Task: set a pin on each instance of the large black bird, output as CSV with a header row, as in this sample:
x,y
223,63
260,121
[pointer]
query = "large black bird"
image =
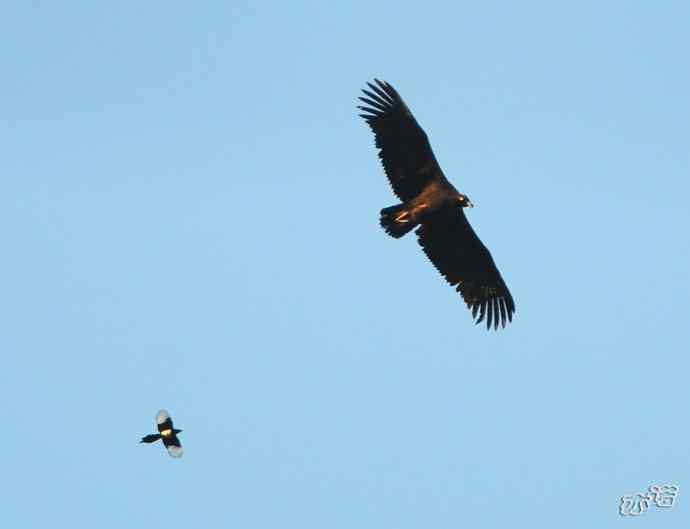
x,y
431,202
167,433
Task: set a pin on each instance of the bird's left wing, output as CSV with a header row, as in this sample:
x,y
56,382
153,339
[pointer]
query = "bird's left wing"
x,y
403,145
163,421
455,250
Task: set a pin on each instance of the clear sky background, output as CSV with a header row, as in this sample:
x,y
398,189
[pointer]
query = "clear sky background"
x,y
189,218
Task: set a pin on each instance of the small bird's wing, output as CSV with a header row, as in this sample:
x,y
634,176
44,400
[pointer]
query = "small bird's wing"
x,y
163,421
173,445
455,250
403,145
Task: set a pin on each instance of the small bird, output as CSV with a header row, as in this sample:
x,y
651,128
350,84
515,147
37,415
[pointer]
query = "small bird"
x,y
431,204
167,433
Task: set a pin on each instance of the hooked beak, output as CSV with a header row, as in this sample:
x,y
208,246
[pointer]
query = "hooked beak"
x,y
469,204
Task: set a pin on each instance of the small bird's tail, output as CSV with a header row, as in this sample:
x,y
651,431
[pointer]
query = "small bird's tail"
x,y
397,220
150,438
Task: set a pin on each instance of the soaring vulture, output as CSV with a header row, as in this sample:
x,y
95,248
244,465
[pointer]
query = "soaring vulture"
x,y
167,433
431,202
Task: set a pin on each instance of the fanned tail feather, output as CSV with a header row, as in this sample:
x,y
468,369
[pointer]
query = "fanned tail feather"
x,y
397,221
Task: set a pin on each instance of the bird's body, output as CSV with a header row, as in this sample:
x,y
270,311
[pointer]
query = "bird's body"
x,y
434,206
166,433
398,220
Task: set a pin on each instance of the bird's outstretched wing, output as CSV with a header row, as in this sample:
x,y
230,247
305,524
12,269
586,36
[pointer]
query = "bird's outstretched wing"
x,y
173,445
163,421
403,145
455,250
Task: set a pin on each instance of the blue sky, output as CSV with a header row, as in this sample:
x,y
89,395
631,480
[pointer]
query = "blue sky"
x,y
189,212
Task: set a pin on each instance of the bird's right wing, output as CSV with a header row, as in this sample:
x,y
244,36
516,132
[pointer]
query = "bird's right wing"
x,y
403,145
173,445
455,250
